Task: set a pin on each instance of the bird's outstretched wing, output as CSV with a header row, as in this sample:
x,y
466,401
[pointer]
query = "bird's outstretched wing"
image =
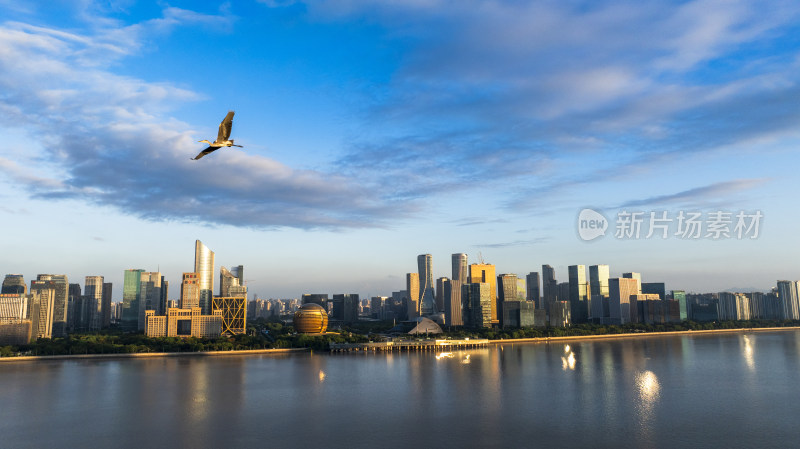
x,y
204,152
225,127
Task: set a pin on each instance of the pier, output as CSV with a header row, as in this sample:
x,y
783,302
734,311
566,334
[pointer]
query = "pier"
x,y
410,345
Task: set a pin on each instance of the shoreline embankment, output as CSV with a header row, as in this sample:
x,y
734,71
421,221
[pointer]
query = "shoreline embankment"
x,y
287,351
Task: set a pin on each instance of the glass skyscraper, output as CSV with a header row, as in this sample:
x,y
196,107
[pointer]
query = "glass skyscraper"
x,y
204,267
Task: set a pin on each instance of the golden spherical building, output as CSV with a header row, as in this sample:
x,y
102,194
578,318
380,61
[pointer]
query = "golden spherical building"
x,y
311,319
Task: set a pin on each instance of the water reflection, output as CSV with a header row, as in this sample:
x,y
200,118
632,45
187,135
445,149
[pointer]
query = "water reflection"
x,y
747,351
568,359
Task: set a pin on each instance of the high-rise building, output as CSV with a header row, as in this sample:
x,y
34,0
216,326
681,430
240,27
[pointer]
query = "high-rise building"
x,y
412,289
14,284
76,308
93,295
578,293
440,293
452,303
190,291
43,296
619,299
733,306
204,267
549,286
507,287
131,297
106,307
476,300
234,314
60,304
598,292
656,288
680,297
426,294
560,314
316,298
484,273
790,299
376,305
638,277
150,293
533,293
345,307
460,268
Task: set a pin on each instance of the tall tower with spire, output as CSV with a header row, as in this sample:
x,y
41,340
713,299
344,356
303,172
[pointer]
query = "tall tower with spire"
x,y
427,300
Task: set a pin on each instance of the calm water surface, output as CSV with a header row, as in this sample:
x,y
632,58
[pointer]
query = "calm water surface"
x,y
677,391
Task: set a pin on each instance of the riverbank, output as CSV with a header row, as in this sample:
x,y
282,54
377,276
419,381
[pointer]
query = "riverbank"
x,y
285,351
641,334
144,355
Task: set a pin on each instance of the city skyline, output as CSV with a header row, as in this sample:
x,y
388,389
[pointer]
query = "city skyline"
x,y
374,132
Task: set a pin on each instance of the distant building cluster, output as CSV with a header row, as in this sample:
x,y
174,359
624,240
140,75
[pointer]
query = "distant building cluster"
x,y
52,307
476,296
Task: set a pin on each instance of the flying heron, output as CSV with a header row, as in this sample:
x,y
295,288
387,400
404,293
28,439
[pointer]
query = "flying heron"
x,y
222,137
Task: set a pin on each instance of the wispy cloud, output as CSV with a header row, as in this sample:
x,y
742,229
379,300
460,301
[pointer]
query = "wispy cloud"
x,y
699,196
514,243
496,94
107,140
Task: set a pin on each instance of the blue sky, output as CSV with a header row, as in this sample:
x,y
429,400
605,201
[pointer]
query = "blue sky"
x,y
375,131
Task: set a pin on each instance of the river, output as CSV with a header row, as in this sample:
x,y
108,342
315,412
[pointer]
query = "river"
x,y
732,390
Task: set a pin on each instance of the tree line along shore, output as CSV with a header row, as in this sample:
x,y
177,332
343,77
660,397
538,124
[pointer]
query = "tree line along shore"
x,y
274,334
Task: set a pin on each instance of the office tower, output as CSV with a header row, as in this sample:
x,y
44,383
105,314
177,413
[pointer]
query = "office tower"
x,y
476,300
105,308
619,297
204,267
485,273
506,292
733,306
190,291
598,292
131,297
452,303
427,302
638,277
788,295
460,268
76,308
507,287
234,314
93,295
376,306
14,284
549,286
533,293
61,304
150,294
43,297
578,293
440,293
656,288
316,298
345,307
560,314
412,289
680,297
231,284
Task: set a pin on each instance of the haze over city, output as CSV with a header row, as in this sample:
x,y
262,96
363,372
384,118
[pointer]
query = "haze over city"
x,y
377,131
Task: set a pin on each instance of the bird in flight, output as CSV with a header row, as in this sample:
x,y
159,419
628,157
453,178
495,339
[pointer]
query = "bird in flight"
x,y
222,137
